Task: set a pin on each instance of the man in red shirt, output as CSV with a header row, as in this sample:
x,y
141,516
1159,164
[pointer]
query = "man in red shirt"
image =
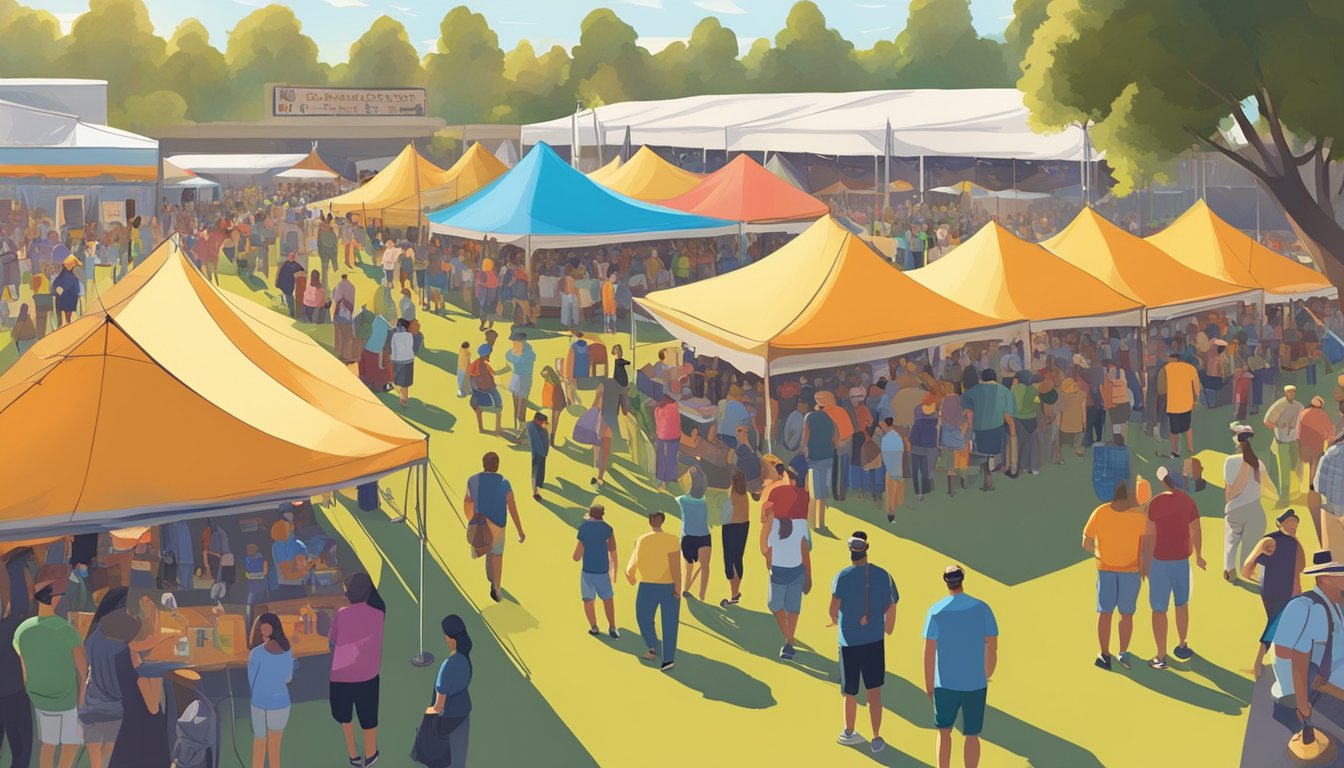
x,y
1173,535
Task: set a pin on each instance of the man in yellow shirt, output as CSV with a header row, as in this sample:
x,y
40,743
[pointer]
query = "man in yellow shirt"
x,y
1114,535
653,565
1182,388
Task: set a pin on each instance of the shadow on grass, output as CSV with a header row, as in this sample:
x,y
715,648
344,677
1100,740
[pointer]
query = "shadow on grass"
x,y
714,680
1229,682
1178,686
758,633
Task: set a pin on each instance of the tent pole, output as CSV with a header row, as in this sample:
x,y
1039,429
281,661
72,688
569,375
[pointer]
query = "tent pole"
x,y
921,179
741,242
527,262
877,200
424,658
769,422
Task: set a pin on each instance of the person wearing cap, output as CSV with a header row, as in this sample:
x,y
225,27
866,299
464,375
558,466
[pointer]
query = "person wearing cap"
x,y
1114,536
1244,514
1284,417
653,566
1179,381
1308,625
55,668
539,447
522,358
961,650
484,391
65,291
863,605
286,279
1281,560
1173,534
991,410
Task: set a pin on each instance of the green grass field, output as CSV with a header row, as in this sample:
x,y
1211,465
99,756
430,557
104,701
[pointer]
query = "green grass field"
x,y
547,694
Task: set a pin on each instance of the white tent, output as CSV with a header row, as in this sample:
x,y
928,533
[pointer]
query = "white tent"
x,y
982,122
40,143
507,153
235,165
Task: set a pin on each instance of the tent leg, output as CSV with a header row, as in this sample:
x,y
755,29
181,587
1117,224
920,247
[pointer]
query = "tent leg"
x,y
424,658
769,422
634,336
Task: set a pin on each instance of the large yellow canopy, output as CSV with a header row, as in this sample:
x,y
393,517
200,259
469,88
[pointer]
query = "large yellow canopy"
x,y
1204,242
601,175
397,194
647,177
1001,275
824,299
1140,270
475,170
170,399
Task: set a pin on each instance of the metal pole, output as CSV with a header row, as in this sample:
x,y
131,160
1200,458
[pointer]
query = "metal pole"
x,y
574,135
598,138
634,335
877,199
769,422
424,658
921,179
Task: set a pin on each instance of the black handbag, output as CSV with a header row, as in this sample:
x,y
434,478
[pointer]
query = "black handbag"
x,y
432,747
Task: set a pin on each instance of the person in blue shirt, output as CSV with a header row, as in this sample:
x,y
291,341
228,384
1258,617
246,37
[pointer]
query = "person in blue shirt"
x,y
863,605
961,649
452,700
270,668
596,549
523,359
696,544
489,494
539,445
820,441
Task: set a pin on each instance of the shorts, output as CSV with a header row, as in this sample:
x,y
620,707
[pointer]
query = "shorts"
x,y
1117,590
989,442
867,662
786,589
820,472
691,545
538,470
1178,423
348,699
101,733
483,399
971,704
956,459
55,728
266,721
595,585
520,386
1167,580
403,374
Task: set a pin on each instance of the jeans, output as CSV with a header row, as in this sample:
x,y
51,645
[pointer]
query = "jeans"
x,y
840,473
16,722
1028,445
1096,424
648,600
289,303
569,310
921,469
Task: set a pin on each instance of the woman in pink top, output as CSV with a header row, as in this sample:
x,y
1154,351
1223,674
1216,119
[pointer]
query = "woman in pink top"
x,y
667,438
356,656
314,298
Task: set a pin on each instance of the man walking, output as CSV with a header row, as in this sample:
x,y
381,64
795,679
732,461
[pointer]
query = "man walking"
x,y
328,243
284,279
1173,533
489,494
990,409
1180,381
863,604
54,672
961,650
1283,417
597,551
821,443
1281,560
522,359
1114,535
653,566
539,445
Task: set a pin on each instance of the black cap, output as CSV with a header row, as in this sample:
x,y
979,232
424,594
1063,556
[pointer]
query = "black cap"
x,y
953,575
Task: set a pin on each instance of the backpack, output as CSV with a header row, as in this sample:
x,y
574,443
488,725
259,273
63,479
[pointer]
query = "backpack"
x,y
197,737
480,535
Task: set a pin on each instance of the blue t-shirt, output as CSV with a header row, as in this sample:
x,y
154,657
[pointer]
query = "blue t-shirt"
x,y
490,491
820,436
453,680
594,534
990,401
734,414
850,585
268,675
960,623
694,516
522,362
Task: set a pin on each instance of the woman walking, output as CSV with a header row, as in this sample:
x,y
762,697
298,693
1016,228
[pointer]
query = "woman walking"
x,y
356,639
314,298
452,701
1244,514
270,669
924,446
553,396
402,346
787,553
735,531
696,545
24,332
667,440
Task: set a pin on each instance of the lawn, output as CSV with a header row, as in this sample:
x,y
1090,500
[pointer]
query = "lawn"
x,y
546,693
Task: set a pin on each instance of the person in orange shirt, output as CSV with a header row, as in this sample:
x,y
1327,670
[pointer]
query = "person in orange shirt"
x,y
609,302
1114,535
1182,390
844,428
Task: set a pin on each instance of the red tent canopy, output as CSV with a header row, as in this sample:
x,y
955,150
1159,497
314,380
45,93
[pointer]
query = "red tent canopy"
x,y
745,191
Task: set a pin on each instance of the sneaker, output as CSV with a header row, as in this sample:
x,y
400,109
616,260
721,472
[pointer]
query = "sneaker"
x,y
595,632
1124,660
1183,652
786,652
1156,663
849,738
667,665
1103,661
650,655
614,633
878,744
371,759
494,594
891,518
536,497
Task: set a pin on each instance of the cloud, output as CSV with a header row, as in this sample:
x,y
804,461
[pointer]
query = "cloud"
x,y
873,31
656,4
251,3
517,23
347,3
861,5
719,6
404,11
656,44
67,20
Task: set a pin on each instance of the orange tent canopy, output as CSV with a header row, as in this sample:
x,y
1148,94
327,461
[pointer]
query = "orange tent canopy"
x,y
311,167
1206,243
744,191
395,194
170,399
1001,275
646,176
476,169
1140,270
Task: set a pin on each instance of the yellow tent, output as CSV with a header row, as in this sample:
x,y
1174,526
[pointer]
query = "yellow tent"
x,y
824,299
1140,270
1001,275
475,170
170,399
396,195
647,177
1204,242
601,175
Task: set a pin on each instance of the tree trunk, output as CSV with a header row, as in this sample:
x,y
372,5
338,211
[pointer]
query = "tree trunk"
x,y
1322,236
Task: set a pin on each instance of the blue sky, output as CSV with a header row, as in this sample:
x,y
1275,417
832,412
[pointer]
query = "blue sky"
x,y
334,24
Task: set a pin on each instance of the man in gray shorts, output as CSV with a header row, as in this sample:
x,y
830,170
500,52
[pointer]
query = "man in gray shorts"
x,y
596,549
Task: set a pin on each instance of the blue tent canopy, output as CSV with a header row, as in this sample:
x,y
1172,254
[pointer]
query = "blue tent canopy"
x,y
545,203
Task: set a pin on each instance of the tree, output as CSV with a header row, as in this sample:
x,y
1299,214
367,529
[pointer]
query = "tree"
x,y
939,48
809,56
142,112
384,57
115,41
268,47
536,84
466,74
609,65
197,72
1188,64
707,63
30,40
881,64
1028,16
